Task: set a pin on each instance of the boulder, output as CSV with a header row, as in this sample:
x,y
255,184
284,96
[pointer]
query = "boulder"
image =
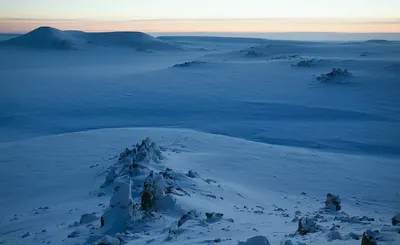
x,y
307,225
368,238
87,218
154,189
256,240
189,216
332,202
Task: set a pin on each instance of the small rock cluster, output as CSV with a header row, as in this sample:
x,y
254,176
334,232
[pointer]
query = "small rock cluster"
x,y
335,73
189,63
305,63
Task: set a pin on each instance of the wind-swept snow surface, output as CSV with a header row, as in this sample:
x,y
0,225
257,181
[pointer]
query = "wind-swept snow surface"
x,y
242,190
297,142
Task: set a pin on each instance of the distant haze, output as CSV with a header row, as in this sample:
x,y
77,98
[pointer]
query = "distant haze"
x,y
359,16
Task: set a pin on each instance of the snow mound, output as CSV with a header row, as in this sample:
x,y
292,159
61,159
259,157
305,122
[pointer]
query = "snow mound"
x,y
257,240
52,38
137,40
44,38
378,41
121,210
334,75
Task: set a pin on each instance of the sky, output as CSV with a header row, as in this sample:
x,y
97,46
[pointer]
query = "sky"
x,y
202,15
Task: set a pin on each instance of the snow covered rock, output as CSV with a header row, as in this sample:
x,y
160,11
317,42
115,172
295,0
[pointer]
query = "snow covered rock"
x,y
153,190
335,73
121,209
305,63
369,238
307,225
189,64
334,235
214,217
253,53
257,240
87,218
286,242
192,174
189,216
133,162
74,234
26,235
148,151
332,202
396,219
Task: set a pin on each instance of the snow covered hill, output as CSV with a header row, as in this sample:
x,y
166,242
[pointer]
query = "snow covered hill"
x,y
52,38
205,188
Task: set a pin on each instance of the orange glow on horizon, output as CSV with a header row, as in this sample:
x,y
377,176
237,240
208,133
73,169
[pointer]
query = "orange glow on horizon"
x,y
250,26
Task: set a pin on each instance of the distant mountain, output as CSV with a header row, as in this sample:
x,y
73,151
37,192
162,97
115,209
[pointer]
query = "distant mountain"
x,y
52,38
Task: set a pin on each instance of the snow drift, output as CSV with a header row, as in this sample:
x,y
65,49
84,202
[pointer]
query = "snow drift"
x,y
52,38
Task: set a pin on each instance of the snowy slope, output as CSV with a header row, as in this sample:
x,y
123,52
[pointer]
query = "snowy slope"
x,y
303,119
52,38
257,187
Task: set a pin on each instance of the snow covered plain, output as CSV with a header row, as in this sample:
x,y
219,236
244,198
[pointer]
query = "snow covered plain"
x,y
277,127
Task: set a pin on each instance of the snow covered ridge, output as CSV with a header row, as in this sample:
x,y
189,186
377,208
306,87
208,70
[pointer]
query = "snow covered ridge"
x,y
52,38
154,204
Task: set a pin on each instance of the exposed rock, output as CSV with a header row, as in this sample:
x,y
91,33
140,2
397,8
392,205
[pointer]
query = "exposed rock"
x,y
74,234
192,174
335,73
257,240
214,217
217,240
369,238
396,219
26,235
189,216
332,202
306,63
153,190
189,63
87,218
306,225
